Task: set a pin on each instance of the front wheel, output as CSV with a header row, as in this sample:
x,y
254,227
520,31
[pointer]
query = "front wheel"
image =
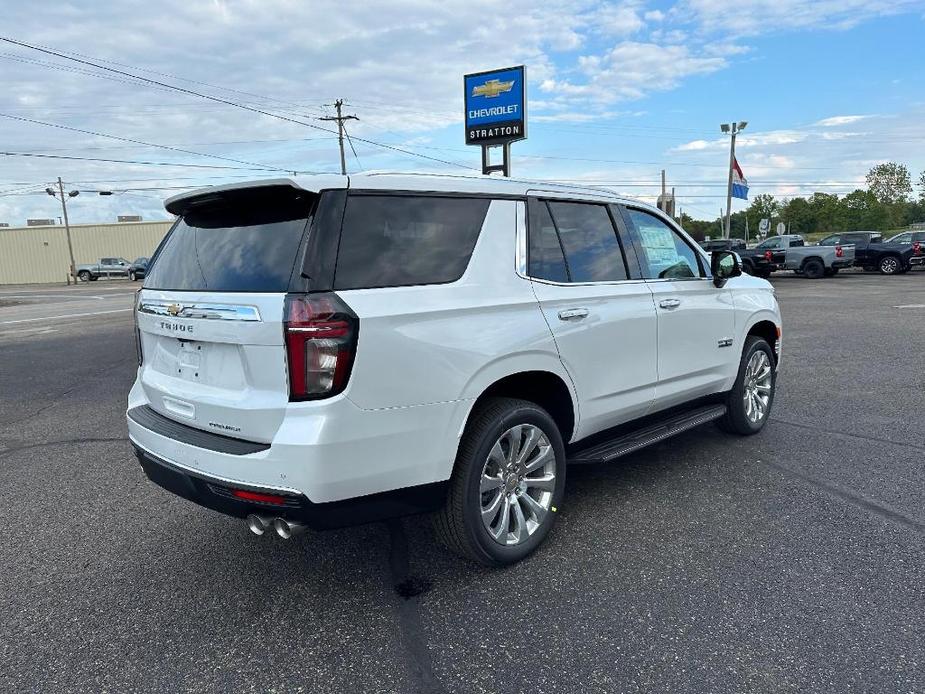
x,y
749,402
507,483
83,276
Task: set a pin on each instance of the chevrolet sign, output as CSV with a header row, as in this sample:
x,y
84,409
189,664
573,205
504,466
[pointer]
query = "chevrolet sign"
x,y
495,106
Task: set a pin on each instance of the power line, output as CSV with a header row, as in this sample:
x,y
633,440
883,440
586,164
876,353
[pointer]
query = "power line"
x,y
217,99
126,161
139,142
353,149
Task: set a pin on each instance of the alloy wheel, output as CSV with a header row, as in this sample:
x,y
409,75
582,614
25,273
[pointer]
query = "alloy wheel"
x,y
757,395
517,484
889,265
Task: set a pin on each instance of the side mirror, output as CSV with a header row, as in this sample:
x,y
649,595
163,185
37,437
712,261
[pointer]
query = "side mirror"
x,y
724,265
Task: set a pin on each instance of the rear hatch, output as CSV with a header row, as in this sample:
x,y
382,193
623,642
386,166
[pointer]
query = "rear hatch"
x,y
210,314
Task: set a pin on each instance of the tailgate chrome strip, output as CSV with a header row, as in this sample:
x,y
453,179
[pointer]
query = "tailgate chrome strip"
x,y
204,311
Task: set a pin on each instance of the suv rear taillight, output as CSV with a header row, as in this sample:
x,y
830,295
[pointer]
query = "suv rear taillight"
x,y
768,256
917,248
839,253
321,338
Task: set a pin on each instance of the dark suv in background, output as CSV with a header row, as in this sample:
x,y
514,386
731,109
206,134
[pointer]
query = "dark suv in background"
x,y
872,253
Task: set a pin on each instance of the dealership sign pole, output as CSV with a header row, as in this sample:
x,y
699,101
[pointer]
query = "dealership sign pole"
x,y
496,113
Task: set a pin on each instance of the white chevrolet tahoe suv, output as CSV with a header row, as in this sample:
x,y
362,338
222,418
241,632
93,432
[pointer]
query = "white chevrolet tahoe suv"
x,y
325,351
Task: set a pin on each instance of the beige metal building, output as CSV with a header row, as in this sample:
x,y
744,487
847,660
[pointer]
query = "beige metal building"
x,y
29,255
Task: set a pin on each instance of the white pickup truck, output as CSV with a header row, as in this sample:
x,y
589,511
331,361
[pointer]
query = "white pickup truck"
x,y
790,252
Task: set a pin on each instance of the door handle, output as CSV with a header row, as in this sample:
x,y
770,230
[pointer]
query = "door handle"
x,y
669,303
573,314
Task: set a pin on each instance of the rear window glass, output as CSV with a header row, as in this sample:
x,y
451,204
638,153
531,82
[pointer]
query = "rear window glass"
x,y
247,243
401,240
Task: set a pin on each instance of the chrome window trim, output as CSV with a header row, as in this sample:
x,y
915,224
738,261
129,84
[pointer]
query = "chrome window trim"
x,y
205,311
520,262
589,284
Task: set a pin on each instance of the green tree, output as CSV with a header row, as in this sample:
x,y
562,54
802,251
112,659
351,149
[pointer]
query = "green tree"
x,y
922,188
862,211
764,206
890,182
799,214
827,212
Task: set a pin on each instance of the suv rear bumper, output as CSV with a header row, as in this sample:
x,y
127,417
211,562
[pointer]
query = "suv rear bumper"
x,y
917,260
216,493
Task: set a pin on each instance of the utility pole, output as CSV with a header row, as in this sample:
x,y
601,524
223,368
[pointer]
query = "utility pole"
x,y
340,132
733,129
67,226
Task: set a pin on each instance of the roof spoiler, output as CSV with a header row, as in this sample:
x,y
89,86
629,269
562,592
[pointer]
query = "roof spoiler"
x,y
179,204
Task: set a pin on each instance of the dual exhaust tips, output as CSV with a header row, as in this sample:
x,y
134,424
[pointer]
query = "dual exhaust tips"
x,y
284,528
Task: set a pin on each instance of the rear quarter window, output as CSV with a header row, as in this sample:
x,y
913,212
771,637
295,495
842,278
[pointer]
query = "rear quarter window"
x,y
403,240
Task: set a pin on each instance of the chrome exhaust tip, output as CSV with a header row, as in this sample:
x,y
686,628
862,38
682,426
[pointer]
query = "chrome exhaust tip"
x,y
258,524
286,529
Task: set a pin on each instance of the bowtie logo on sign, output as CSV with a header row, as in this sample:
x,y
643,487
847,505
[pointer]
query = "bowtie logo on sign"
x,y
496,115
492,88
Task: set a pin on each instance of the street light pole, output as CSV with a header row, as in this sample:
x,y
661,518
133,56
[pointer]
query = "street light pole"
x,y
733,129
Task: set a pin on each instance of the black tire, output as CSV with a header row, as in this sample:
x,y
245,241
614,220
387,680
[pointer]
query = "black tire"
x,y
84,276
889,265
813,269
763,274
736,420
748,268
131,276
459,524
94,278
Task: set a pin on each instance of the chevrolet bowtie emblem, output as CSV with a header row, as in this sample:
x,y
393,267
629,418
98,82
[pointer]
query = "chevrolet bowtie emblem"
x,y
492,88
174,309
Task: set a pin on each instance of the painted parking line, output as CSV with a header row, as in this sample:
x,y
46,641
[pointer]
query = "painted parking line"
x,y
54,296
72,315
910,306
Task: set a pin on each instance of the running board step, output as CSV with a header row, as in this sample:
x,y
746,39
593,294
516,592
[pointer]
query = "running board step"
x,y
635,440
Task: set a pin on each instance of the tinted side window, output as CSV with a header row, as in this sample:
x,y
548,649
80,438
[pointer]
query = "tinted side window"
x,y
589,240
401,240
770,243
546,259
664,254
830,241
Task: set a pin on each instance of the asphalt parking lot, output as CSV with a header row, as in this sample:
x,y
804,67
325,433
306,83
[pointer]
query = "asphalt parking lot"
x,y
792,561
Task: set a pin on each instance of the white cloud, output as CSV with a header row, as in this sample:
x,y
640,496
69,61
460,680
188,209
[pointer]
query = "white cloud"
x,y
835,121
753,17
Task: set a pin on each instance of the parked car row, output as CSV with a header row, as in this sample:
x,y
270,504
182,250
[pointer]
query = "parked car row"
x,y
113,267
864,249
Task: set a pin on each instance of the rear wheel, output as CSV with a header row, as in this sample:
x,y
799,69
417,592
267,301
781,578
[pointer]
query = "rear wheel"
x,y
749,402
83,276
889,265
813,269
508,480
131,275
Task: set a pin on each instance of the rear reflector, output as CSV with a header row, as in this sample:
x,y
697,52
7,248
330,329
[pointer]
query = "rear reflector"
x,y
258,497
321,338
839,252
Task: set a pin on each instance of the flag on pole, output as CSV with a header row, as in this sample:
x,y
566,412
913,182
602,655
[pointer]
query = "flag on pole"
x,y
739,182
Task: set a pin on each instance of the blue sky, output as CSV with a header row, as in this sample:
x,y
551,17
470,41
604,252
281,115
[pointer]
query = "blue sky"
x,y
617,91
